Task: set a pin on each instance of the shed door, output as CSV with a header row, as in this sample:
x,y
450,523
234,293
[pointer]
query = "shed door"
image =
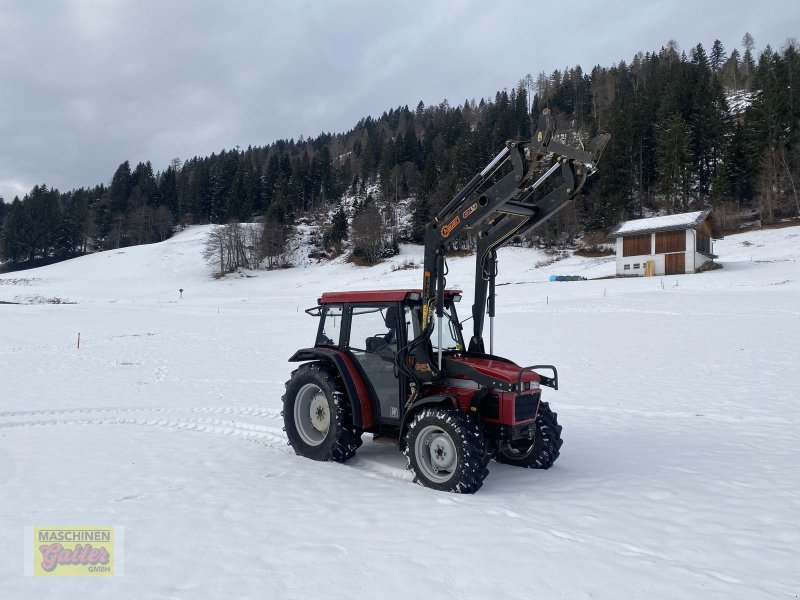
x,y
675,264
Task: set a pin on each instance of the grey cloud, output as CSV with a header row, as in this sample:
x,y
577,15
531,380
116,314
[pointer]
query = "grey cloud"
x,y
87,84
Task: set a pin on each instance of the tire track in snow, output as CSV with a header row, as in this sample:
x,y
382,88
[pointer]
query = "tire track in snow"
x,y
266,428
249,411
383,467
272,437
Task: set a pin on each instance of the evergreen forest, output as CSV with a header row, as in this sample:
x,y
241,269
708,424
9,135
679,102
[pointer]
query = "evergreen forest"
x,y
693,129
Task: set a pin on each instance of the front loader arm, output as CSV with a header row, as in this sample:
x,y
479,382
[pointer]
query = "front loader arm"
x,y
498,213
502,230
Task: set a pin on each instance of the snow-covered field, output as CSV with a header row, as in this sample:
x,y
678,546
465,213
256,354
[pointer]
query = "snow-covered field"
x,y
680,402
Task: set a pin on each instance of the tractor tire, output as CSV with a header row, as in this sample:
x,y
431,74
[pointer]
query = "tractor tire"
x,y
317,416
542,451
445,450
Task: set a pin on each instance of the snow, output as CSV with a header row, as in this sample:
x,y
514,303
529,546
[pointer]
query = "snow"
x,y
739,101
682,220
677,479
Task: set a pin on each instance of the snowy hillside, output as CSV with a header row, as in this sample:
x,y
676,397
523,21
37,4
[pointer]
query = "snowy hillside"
x,y
679,402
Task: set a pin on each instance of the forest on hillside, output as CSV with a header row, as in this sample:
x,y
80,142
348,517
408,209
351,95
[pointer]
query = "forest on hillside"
x,y
690,130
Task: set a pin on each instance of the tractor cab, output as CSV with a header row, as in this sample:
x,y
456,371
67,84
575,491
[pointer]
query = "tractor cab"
x,y
377,328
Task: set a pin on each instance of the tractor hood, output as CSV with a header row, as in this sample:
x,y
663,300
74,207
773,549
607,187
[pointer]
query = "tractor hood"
x,y
487,371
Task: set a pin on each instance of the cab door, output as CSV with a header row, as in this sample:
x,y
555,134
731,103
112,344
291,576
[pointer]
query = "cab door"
x,y
373,337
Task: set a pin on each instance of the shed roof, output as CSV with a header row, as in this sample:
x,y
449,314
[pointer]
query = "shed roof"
x,y
691,220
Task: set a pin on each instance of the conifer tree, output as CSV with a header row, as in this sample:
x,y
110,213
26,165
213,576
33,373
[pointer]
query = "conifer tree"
x,y
673,159
4,208
72,234
168,190
718,56
337,232
14,222
748,66
120,189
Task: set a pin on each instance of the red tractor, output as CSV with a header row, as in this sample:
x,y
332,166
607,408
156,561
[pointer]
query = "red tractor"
x,y
394,363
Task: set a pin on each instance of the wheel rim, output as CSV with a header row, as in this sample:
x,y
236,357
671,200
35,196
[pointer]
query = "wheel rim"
x,y
436,454
312,415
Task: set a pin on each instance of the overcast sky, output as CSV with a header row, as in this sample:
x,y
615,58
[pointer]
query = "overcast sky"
x,y
88,84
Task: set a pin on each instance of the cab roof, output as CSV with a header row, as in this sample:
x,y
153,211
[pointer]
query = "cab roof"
x,y
375,296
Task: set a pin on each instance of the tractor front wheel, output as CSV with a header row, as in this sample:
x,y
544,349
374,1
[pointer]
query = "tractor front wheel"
x,y
446,451
317,416
539,453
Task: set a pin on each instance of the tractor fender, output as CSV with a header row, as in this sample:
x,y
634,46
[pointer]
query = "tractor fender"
x,y
434,400
357,391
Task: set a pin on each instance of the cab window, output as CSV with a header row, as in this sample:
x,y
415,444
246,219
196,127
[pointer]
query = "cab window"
x,y
373,329
452,339
330,325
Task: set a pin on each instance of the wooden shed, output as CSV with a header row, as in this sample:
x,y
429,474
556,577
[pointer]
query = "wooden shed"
x,y
668,245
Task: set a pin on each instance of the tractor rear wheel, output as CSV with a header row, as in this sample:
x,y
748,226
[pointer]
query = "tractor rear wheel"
x,y
446,451
317,416
539,453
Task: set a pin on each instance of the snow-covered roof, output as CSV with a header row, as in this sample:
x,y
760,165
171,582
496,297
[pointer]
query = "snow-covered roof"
x,y
691,220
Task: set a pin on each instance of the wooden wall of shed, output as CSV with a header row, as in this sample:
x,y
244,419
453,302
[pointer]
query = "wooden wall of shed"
x,y
636,245
670,241
705,228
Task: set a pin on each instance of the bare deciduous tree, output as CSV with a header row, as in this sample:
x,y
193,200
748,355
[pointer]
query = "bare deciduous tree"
x,y
225,248
214,250
253,244
162,222
273,243
777,195
368,234
237,246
